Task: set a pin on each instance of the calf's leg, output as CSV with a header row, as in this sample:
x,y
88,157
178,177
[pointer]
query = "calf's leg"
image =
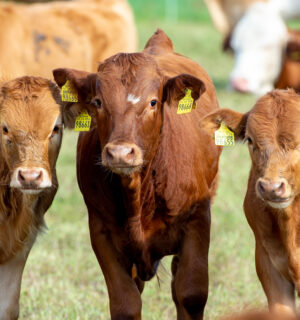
x,y
10,285
124,295
190,271
278,289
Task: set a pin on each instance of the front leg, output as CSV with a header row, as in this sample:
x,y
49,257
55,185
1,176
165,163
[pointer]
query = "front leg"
x,y
278,289
124,295
10,285
190,271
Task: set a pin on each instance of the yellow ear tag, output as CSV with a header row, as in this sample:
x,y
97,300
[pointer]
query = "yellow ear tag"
x,y
186,104
83,122
68,93
224,136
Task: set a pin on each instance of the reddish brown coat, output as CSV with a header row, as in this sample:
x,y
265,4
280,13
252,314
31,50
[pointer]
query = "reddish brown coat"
x,y
157,201
272,202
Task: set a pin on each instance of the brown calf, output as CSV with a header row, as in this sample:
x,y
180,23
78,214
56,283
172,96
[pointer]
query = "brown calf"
x,y
36,38
290,72
147,174
30,138
272,202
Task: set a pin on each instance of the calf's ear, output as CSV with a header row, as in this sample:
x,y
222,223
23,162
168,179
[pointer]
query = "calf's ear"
x,y
234,120
174,88
83,85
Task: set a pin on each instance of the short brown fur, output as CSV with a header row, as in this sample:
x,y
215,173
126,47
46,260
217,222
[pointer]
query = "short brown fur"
x,y
30,139
272,207
147,174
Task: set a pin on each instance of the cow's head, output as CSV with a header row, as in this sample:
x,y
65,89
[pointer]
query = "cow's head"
x,y
126,98
272,131
31,132
258,41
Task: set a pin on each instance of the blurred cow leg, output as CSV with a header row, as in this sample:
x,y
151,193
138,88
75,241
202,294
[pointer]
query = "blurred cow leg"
x,y
278,289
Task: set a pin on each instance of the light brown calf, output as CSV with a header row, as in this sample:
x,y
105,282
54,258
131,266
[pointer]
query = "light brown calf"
x,y
30,138
272,203
35,38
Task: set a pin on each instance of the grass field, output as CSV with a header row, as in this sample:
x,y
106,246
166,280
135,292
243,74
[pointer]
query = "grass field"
x,y
62,279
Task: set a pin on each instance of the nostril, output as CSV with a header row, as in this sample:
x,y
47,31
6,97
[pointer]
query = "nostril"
x,y
280,190
131,152
40,176
20,176
261,188
109,153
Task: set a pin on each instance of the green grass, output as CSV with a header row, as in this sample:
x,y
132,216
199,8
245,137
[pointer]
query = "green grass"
x,y
62,279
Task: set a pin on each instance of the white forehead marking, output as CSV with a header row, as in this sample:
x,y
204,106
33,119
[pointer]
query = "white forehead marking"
x,y
133,99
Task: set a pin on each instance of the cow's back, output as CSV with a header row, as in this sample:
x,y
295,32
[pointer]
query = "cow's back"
x,y
76,34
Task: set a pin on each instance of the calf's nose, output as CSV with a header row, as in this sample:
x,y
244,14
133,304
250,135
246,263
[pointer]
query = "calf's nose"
x,y
270,189
121,154
27,176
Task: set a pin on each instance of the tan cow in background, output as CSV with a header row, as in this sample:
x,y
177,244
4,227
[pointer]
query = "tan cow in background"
x,y
226,13
36,38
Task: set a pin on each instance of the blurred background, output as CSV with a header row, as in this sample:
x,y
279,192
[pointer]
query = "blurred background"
x,y
62,279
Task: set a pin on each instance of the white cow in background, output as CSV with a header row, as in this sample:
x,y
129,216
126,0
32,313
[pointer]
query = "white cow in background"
x,y
259,40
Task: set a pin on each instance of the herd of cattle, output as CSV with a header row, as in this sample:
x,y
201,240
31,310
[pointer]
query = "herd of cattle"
x,y
147,175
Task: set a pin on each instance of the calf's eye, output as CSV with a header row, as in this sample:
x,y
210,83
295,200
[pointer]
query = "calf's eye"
x,y
97,103
249,140
5,130
153,103
55,131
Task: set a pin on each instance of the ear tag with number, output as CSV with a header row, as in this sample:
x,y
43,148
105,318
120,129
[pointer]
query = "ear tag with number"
x,y
68,93
224,136
186,104
83,122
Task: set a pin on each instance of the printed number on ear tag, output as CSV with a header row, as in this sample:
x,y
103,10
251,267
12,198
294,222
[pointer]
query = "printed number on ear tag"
x,y
186,104
83,122
224,136
68,93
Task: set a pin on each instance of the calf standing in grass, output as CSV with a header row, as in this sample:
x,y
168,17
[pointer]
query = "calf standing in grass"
x,y
147,174
272,203
30,138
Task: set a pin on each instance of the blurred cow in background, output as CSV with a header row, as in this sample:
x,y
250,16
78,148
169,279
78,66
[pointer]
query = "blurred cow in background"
x,y
261,43
290,72
258,41
36,38
226,13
